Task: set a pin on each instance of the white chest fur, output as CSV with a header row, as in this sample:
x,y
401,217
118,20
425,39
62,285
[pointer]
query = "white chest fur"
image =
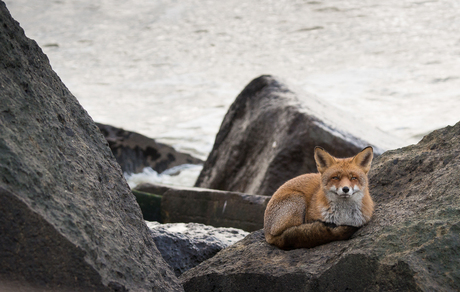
x,y
344,212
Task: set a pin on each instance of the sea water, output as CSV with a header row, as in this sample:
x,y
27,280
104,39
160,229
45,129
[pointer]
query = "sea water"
x,y
171,69
181,175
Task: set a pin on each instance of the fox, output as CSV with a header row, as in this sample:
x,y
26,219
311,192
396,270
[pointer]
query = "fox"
x,y
317,208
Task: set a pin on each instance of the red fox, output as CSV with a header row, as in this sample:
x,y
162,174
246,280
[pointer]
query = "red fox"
x,y
317,208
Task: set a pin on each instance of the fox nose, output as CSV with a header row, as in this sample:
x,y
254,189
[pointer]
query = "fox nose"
x,y
345,189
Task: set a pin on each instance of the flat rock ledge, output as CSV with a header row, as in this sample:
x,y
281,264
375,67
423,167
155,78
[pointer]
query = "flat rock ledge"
x,y
411,244
197,205
213,207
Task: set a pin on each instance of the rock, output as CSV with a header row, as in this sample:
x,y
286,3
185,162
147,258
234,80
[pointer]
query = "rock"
x,y
157,189
169,204
150,205
411,244
184,246
268,137
213,207
134,151
69,221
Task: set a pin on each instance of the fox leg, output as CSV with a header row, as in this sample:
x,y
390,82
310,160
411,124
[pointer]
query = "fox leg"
x,y
309,235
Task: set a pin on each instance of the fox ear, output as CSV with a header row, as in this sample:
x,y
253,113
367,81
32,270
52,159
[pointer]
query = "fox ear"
x,y
364,158
323,159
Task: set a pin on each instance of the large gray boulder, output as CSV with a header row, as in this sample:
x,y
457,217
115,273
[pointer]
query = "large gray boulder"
x,y
68,219
411,244
268,137
134,151
185,245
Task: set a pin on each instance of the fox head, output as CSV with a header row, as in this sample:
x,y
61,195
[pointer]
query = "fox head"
x,y
344,178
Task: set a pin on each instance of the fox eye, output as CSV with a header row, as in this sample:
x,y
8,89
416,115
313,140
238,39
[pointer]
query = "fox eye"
x,y
335,178
353,178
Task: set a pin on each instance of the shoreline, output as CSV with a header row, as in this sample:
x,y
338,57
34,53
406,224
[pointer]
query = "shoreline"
x,y
171,70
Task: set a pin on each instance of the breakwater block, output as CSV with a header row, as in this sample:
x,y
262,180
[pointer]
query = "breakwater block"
x,y
213,207
150,205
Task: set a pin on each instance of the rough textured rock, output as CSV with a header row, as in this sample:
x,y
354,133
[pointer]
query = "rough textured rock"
x,y
134,151
184,246
269,134
212,207
411,244
68,219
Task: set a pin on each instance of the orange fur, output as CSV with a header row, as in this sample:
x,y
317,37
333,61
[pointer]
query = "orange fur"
x,y
314,209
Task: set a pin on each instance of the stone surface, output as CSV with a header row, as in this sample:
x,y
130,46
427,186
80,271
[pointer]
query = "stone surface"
x,y
134,151
411,244
68,219
184,246
213,207
268,137
150,205
149,197
172,204
157,189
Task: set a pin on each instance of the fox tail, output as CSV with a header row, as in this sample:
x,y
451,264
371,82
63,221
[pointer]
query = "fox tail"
x,y
309,235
